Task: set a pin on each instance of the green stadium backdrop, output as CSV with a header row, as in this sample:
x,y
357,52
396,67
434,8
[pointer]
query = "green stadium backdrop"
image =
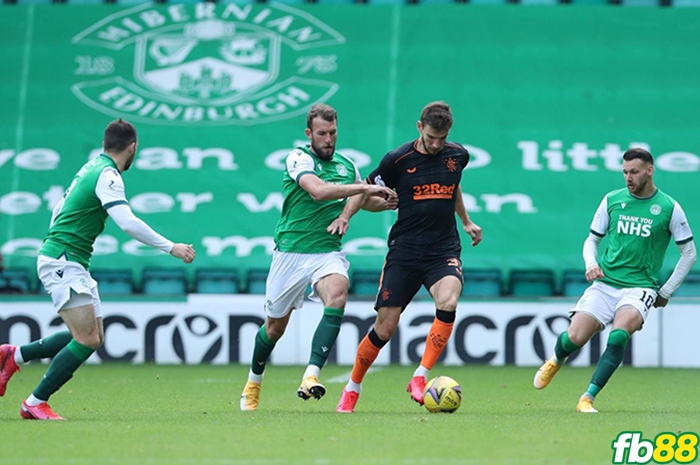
x,y
547,99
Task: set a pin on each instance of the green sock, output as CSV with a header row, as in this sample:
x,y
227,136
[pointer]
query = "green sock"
x,y
593,390
64,364
564,347
261,351
325,336
47,347
609,361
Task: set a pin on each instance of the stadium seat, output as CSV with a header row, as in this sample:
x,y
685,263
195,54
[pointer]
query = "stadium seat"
x,y
365,283
335,2
653,3
486,282
140,2
114,282
532,283
691,285
33,2
488,2
15,281
257,278
435,2
164,281
573,283
217,281
539,2
387,2
590,2
685,3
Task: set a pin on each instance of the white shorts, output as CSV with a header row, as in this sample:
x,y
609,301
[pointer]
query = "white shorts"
x,y
290,274
69,284
601,301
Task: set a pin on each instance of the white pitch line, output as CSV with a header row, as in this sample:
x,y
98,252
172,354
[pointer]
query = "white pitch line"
x,y
345,377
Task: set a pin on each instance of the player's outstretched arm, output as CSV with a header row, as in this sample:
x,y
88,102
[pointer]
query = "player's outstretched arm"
x,y
471,228
379,204
689,256
683,236
319,190
375,200
139,230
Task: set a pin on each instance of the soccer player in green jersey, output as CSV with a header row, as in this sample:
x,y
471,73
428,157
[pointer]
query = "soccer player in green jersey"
x,y
639,221
97,191
317,182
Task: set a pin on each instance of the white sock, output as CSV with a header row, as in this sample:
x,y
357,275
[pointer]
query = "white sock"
x,y
559,361
353,386
421,371
18,356
33,401
255,378
312,370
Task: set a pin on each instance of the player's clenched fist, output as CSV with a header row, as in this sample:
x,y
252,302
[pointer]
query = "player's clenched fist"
x,y
375,190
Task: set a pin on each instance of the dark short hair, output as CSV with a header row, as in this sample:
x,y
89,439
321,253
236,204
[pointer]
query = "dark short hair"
x,y
437,115
325,112
118,136
638,153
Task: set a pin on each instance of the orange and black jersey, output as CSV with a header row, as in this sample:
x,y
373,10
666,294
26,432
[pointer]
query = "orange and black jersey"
x,y
427,188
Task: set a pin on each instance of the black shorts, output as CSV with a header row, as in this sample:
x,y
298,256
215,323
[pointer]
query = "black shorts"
x,y
402,277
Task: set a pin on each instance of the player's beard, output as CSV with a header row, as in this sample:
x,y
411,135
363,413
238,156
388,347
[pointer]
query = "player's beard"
x,y
637,187
427,147
324,152
129,161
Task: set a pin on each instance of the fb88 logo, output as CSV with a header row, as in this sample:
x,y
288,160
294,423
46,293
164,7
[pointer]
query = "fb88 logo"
x,y
629,447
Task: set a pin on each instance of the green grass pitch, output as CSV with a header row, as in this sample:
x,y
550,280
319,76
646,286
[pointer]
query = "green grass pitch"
x,y
171,415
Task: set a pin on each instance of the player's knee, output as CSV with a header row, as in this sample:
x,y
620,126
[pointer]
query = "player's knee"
x,y
337,300
385,330
448,303
618,337
274,331
93,340
580,338
384,333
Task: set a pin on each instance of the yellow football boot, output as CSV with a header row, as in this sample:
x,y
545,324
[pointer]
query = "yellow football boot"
x,y
545,374
311,387
250,396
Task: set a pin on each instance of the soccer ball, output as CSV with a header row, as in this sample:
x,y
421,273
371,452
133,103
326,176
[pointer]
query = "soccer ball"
x,y
442,395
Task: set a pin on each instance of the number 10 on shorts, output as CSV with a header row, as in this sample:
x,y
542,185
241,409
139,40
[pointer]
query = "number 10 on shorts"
x,y
629,447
